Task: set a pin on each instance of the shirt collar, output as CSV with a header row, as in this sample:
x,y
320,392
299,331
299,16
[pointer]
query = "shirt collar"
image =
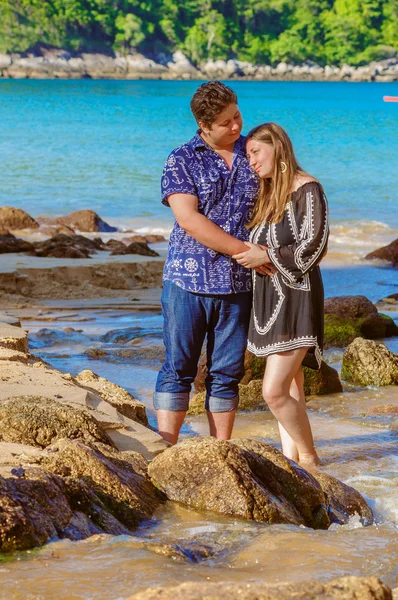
x,y
197,142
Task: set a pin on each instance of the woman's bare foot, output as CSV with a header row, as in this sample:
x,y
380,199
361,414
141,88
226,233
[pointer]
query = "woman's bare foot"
x,y
310,462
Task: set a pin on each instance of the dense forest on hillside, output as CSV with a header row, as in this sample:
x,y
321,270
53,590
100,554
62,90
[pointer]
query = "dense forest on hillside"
x,y
260,31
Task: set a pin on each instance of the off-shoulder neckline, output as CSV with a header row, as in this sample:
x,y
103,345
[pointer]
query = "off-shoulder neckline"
x,y
312,182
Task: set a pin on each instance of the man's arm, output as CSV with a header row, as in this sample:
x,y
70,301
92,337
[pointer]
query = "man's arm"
x,y
185,210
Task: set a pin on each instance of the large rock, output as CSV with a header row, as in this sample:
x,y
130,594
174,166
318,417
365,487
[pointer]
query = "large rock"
x,y
40,421
16,218
117,397
9,243
85,220
76,490
343,588
366,362
389,253
348,317
120,481
245,479
33,509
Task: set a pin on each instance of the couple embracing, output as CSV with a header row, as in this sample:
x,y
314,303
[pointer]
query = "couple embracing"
x,y
265,294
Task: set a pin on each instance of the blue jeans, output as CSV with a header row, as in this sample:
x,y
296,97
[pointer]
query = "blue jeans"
x,y
188,317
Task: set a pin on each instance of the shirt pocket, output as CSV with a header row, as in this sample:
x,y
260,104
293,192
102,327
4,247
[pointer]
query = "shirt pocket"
x,y
210,189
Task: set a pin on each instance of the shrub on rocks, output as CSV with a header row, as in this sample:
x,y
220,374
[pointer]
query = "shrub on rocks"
x,y
366,362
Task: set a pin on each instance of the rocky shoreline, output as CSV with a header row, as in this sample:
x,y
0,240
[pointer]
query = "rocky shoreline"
x,y
61,64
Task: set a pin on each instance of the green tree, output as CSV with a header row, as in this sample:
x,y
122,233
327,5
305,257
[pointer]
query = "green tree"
x,y
206,38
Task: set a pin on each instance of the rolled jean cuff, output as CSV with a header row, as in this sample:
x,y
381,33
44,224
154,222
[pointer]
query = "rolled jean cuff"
x,y
171,400
218,405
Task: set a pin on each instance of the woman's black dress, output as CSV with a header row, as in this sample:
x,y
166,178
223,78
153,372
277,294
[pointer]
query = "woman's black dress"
x,y
288,306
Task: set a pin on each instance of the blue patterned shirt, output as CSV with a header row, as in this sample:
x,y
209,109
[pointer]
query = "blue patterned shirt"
x,y
226,198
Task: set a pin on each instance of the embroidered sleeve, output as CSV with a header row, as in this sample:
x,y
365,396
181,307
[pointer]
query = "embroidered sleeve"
x,y
311,232
177,177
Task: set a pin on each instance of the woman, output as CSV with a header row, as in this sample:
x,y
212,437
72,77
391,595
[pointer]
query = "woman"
x,y
289,233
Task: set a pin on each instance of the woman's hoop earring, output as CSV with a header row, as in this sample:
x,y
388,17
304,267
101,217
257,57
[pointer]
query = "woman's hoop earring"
x,y
283,167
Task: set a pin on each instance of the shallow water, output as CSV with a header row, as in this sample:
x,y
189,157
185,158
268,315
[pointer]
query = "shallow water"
x,y
360,450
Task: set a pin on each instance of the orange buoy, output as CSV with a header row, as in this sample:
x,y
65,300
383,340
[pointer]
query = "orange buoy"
x,y
390,98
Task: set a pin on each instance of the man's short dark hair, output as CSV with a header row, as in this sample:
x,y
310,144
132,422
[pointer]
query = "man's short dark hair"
x,y
210,99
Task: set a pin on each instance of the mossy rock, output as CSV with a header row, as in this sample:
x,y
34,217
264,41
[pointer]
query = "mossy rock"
x,y
339,331
250,399
324,381
391,326
366,362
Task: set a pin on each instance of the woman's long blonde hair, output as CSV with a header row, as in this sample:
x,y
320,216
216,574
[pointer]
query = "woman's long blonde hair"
x,y
275,190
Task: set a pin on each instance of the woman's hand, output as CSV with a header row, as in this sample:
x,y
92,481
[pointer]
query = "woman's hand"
x,y
256,257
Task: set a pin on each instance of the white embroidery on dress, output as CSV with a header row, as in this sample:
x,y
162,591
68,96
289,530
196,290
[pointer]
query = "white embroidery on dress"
x,y
301,342
298,255
281,297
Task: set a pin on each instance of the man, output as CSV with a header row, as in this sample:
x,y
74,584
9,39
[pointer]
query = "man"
x,y
210,188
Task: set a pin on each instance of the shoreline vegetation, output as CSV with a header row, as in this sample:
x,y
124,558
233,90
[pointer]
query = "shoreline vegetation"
x,y
54,63
332,40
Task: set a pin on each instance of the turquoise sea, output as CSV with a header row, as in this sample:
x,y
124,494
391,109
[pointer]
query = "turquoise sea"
x,y
67,145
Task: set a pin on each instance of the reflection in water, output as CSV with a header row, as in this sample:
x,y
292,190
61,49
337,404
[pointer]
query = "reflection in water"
x,y
359,449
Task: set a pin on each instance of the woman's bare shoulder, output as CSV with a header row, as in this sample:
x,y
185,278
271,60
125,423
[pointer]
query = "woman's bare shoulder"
x,y
301,180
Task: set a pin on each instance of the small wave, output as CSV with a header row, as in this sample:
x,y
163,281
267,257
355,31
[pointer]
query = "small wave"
x,y
350,241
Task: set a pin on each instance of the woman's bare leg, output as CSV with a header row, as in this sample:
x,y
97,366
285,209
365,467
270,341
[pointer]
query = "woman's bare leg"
x,y
289,447
280,371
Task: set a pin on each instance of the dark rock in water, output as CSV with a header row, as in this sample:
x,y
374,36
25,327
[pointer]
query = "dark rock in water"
x,y
67,246
243,478
16,218
9,243
33,509
40,421
135,248
366,362
343,588
149,238
324,381
95,353
389,253
114,245
348,317
85,220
